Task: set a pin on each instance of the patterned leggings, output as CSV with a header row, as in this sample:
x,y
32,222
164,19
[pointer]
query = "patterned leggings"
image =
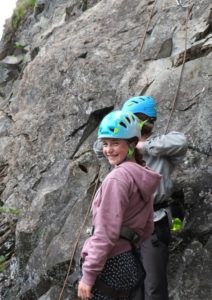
x,y
121,272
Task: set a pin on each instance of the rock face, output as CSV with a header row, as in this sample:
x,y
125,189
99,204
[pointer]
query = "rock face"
x,y
76,61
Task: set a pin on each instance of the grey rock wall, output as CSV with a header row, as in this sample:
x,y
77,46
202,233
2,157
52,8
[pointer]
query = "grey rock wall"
x,y
79,60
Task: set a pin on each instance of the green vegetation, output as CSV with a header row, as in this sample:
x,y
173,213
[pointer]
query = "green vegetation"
x,y
2,263
22,7
18,45
3,258
9,210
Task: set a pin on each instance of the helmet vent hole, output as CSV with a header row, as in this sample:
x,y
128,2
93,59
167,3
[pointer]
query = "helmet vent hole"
x,y
122,124
128,119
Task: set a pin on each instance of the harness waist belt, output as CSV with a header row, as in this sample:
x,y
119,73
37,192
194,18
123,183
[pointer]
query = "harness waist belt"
x,y
125,233
128,234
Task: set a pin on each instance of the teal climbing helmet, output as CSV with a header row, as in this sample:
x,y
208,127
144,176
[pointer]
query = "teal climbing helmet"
x,y
119,125
141,104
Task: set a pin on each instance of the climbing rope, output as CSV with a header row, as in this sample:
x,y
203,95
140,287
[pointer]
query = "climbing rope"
x,y
147,26
78,237
189,9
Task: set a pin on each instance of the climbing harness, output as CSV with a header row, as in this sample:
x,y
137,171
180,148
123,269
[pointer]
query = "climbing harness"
x,y
126,233
130,235
109,291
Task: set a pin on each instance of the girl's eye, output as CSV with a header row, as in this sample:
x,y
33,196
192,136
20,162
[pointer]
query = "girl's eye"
x,y
104,144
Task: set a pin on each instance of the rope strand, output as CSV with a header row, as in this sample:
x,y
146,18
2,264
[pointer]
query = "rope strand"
x,y
78,237
181,72
147,26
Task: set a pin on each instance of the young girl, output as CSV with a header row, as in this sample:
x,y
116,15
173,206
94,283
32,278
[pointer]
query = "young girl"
x,y
122,209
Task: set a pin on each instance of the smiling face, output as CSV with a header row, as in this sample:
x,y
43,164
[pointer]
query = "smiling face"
x,y
115,150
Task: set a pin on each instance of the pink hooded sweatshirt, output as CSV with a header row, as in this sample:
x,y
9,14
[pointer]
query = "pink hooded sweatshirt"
x,y
123,199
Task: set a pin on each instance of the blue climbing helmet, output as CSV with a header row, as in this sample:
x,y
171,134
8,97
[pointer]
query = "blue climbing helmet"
x,y
119,125
141,104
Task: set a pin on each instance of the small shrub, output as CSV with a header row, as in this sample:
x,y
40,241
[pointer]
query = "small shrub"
x,y
9,210
2,263
18,45
22,7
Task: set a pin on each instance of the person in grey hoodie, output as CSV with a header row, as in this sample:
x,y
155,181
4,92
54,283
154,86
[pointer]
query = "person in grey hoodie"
x,y
124,201
162,153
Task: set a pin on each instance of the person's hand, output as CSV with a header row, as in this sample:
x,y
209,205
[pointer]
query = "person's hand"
x,y
84,291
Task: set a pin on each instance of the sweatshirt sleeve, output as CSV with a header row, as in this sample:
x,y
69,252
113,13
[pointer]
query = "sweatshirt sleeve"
x,y
107,221
172,145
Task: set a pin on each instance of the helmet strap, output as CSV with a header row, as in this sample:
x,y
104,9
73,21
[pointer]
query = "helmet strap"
x,y
142,123
130,153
